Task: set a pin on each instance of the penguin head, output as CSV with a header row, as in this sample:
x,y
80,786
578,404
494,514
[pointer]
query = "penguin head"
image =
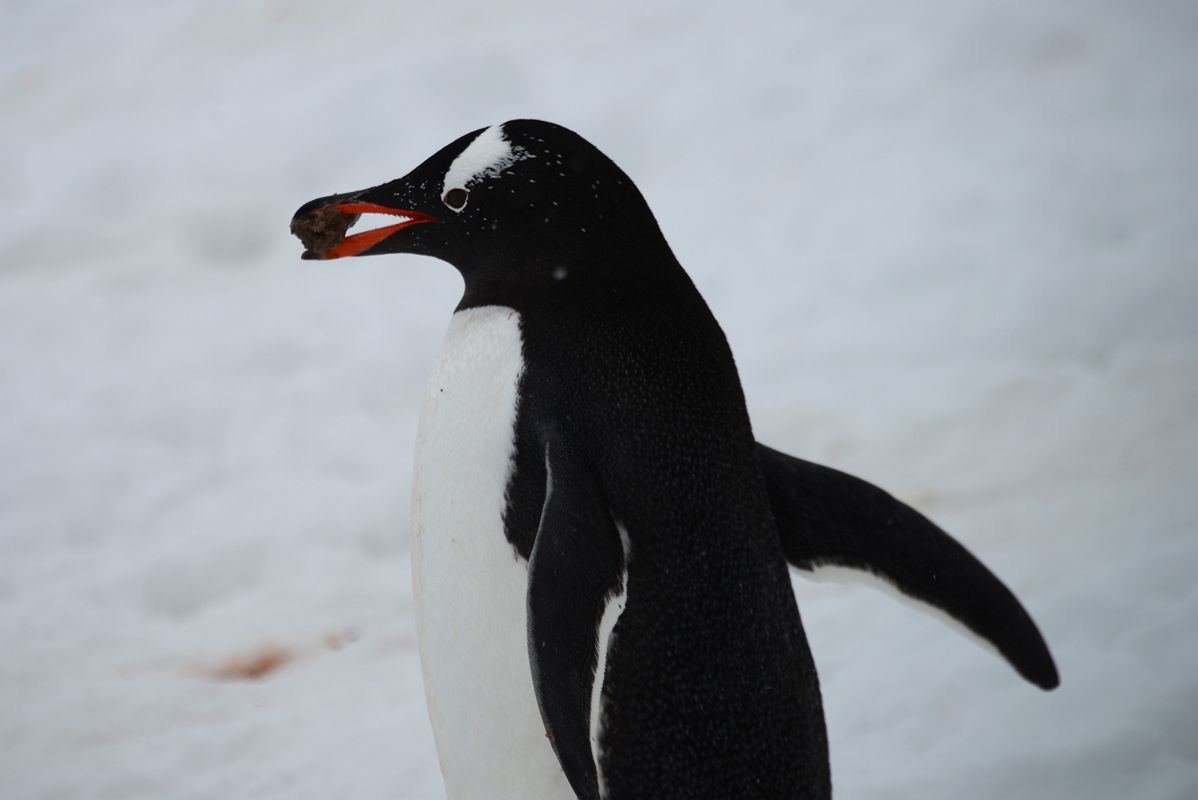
x,y
524,202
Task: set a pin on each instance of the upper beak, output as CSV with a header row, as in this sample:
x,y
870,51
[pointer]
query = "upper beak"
x,y
322,223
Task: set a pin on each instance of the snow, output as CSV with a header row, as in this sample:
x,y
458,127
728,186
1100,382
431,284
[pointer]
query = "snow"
x,y
953,247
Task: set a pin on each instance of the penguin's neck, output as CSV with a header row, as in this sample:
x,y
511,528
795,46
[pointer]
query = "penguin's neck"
x,y
606,273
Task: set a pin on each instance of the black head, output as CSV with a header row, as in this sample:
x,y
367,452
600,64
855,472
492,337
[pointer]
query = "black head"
x,y
523,205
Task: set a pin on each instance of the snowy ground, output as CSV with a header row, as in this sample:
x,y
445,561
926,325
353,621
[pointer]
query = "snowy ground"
x,y
953,246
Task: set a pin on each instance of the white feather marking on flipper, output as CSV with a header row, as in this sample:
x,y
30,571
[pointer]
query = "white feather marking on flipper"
x,y
607,624
851,576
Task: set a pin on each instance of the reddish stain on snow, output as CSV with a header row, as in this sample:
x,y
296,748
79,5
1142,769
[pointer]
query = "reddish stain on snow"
x,y
253,666
269,658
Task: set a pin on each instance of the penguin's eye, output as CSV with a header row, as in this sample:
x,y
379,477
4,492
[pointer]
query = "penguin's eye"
x,y
456,199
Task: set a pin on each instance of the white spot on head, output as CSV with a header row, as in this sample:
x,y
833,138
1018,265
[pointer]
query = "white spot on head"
x,y
488,155
559,273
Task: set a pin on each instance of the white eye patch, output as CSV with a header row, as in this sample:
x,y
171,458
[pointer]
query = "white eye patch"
x,y
488,155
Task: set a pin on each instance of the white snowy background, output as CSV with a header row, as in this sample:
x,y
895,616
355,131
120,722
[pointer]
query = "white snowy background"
x,y
954,246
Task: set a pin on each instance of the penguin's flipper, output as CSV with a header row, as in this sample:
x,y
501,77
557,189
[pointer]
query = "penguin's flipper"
x,y
830,518
575,564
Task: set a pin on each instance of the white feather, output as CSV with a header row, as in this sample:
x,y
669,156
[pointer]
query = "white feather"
x,y
469,585
607,623
489,154
847,576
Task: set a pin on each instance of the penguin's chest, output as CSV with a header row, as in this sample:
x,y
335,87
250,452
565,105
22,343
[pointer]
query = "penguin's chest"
x,y
469,584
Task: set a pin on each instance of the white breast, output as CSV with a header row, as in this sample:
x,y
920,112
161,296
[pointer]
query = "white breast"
x,y
469,584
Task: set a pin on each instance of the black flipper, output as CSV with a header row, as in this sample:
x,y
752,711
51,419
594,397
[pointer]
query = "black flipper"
x,y
827,517
574,565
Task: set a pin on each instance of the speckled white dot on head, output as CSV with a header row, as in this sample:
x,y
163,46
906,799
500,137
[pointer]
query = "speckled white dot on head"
x,y
489,154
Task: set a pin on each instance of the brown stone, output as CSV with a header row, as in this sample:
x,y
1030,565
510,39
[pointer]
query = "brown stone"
x,y
323,228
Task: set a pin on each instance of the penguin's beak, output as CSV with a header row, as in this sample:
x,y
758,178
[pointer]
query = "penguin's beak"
x,y
321,224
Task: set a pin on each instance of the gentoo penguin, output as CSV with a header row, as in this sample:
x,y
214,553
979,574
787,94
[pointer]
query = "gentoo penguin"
x,y
600,546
